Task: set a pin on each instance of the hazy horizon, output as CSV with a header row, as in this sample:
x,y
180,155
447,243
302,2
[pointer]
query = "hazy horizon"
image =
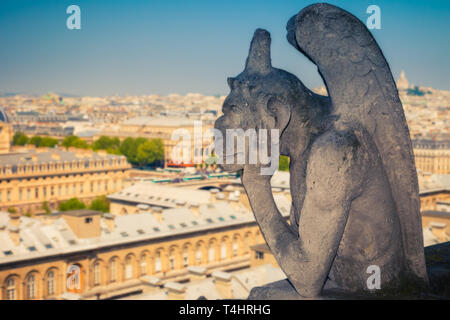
x,y
146,47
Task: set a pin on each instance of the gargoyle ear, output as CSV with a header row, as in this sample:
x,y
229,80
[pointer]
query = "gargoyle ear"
x,y
280,112
258,61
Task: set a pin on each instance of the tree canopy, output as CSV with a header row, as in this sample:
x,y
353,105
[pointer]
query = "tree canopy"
x,y
71,204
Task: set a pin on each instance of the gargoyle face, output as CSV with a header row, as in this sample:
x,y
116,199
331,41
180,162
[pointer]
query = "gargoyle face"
x,y
257,101
247,111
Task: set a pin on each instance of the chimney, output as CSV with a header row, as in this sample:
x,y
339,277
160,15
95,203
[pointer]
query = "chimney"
x,y
213,193
180,203
220,196
175,290
438,229
228,189
222,282
14,234
197,273
143,208
109,221
157,213
195,209
14,219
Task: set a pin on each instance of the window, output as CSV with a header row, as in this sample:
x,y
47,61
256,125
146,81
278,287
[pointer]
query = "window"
x,y
31,287
172,261
235,248
51,283
144,265
113,270
246,243
11,289
87,220
128,269
158,262
185,258
211,253
198,255
223,250
96,274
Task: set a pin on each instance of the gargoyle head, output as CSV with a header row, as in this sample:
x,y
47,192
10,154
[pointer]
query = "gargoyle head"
x,y
261,97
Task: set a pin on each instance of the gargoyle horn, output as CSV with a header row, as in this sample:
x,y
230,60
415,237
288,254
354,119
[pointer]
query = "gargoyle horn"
x,y
258,61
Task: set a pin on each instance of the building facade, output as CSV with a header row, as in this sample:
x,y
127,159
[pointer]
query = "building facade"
x,y
106,267
432,156
28,178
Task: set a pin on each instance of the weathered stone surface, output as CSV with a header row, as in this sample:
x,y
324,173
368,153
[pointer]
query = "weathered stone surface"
x,y
438,267
353,181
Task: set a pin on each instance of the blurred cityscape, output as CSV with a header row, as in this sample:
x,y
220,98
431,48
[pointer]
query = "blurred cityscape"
x,y
94,206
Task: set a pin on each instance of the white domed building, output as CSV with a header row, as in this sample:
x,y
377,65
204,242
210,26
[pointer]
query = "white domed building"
x,y
5,132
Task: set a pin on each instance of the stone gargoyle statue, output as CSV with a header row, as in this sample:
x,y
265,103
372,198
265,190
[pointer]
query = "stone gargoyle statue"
x,y
353,182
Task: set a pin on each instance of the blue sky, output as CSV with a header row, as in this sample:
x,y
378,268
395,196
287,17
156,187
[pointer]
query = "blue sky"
x,y
172,46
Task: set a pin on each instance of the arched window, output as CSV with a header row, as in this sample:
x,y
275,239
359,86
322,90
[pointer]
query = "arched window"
x,y
31,287
158,262
198,254
223,250
185,257
172,259
113,270
128,268
246,243
51,283
11,289
143,264
96,274
235,247
211,252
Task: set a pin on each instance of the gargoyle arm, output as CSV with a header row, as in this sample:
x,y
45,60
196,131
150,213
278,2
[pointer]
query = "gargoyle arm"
x,y
335,175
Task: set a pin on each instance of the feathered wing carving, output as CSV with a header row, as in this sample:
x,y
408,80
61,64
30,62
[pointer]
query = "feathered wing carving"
x,y
363,93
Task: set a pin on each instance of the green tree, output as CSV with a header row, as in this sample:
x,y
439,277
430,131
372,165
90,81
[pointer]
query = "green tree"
x,y
150,152
106,143
36,140
48,142
71,204
20,139
12,210
74,141
45,207
284,163
129,148
100,204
